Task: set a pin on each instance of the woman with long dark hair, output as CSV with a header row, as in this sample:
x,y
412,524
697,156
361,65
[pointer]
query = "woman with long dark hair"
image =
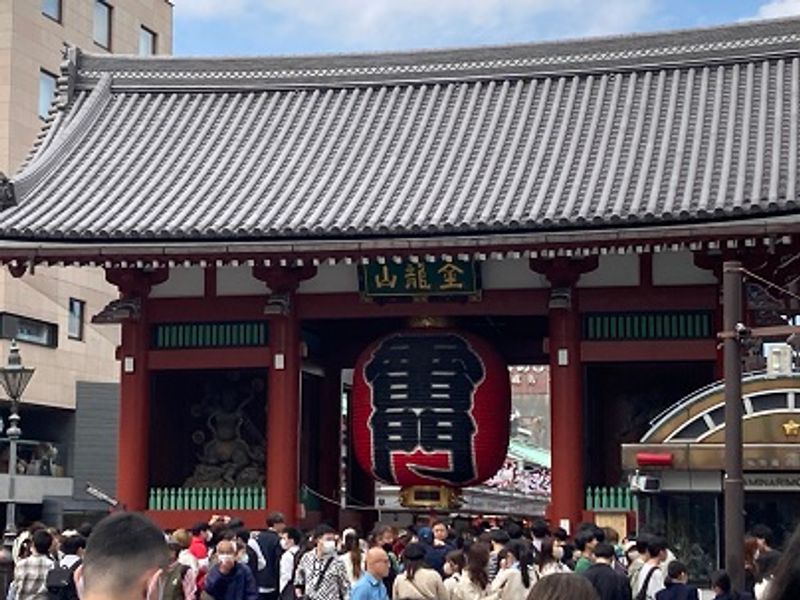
x,y
454,564
474,584
513,581
549,560
352,556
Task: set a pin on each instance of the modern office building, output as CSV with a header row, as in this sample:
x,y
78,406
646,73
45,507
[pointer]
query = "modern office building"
x,y
49,314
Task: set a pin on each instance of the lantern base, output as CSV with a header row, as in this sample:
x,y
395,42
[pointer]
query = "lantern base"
x,y
430,496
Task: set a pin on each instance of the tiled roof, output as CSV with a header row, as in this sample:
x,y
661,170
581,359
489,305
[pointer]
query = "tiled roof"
x,y
671,128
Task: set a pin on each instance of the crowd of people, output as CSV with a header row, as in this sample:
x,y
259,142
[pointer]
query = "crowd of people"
x,y
127,557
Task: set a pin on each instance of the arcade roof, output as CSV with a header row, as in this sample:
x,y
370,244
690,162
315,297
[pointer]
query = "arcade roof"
x,y
580,138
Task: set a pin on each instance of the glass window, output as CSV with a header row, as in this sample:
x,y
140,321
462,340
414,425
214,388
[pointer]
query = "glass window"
x,y
102,24
75,324
147,42
47,89
52,9
28,330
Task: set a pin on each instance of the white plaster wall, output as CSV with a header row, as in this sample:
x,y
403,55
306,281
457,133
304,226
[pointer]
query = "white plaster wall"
x,y
33,488
183,282
678,268
331,279
613,270
510,274
239,281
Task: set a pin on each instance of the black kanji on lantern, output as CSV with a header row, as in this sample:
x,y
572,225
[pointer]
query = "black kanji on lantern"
x,y
422,398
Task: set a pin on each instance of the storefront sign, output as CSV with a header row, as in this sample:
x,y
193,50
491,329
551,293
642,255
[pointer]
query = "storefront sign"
x,y
439,278
772,482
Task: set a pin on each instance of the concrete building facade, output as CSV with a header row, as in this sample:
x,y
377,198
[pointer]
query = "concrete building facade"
x,y
49,313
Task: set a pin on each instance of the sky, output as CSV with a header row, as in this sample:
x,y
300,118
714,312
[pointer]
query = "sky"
x,y
280,27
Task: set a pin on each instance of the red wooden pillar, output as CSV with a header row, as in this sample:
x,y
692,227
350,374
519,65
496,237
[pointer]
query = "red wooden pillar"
x,y
283,392
133,451
566,388
566,416
283,417
133,458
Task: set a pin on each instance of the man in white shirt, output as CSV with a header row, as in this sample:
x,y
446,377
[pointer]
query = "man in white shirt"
x,y
651,576
290,542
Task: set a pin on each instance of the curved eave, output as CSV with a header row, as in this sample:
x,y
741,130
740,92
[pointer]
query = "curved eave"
x,y
752,233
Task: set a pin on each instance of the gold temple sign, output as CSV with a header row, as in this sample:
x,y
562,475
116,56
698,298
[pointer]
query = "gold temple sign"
x,y
791,427
408,279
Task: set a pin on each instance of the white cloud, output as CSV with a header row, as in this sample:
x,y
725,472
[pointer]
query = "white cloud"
x,y
383,24
207,9
779,8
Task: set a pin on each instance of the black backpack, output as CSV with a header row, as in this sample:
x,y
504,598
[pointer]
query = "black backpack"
x,y
60,582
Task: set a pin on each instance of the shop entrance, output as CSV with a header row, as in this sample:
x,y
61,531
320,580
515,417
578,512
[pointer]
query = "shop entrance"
x,y
780,511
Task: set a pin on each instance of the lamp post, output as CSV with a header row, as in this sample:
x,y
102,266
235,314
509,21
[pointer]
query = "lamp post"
x,y
14,378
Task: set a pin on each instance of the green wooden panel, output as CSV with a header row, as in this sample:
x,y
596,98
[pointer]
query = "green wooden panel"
x,y
167,336
647,325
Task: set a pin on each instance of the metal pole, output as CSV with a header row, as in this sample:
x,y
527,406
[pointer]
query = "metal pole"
x,y
734,486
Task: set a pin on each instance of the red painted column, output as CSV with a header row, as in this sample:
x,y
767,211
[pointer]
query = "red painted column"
x,y
566,387
283,417
133,449
566,416
134,418
283,388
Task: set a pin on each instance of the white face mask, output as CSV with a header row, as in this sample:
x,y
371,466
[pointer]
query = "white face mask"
x,y
285,544
328,546
448,570
558,552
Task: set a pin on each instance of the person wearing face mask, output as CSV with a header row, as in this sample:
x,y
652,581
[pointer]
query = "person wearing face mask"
x,y
454,564
320,574
229,579
252,556
290,544
549,559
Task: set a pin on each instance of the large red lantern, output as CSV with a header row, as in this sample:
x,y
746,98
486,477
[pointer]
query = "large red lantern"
x,y
431,408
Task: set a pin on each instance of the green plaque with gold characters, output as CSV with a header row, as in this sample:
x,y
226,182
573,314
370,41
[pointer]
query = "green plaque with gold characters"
x,y
420,279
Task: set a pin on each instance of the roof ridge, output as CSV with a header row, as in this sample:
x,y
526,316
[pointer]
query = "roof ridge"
x,y
629,50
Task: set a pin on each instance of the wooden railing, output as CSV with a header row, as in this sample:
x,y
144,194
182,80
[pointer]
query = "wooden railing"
x,y
238,498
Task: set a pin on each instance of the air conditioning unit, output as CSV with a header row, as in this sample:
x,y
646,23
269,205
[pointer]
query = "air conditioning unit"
x,y
645,484
779,360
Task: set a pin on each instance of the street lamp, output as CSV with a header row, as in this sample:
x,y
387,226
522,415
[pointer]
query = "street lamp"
x,y
14,378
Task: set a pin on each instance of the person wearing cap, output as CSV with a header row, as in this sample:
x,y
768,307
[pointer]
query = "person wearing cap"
x,y
418,581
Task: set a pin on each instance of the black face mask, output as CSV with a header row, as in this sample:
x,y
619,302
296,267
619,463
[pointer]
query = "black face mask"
x,y
387,547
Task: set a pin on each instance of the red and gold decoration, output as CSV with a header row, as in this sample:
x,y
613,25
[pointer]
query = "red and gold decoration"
x,y
431,408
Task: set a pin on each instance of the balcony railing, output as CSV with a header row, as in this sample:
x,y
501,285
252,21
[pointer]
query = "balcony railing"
x,y
237,498
36,457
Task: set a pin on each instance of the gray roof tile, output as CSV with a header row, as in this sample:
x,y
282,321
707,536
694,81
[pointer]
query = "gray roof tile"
x,y
627,131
